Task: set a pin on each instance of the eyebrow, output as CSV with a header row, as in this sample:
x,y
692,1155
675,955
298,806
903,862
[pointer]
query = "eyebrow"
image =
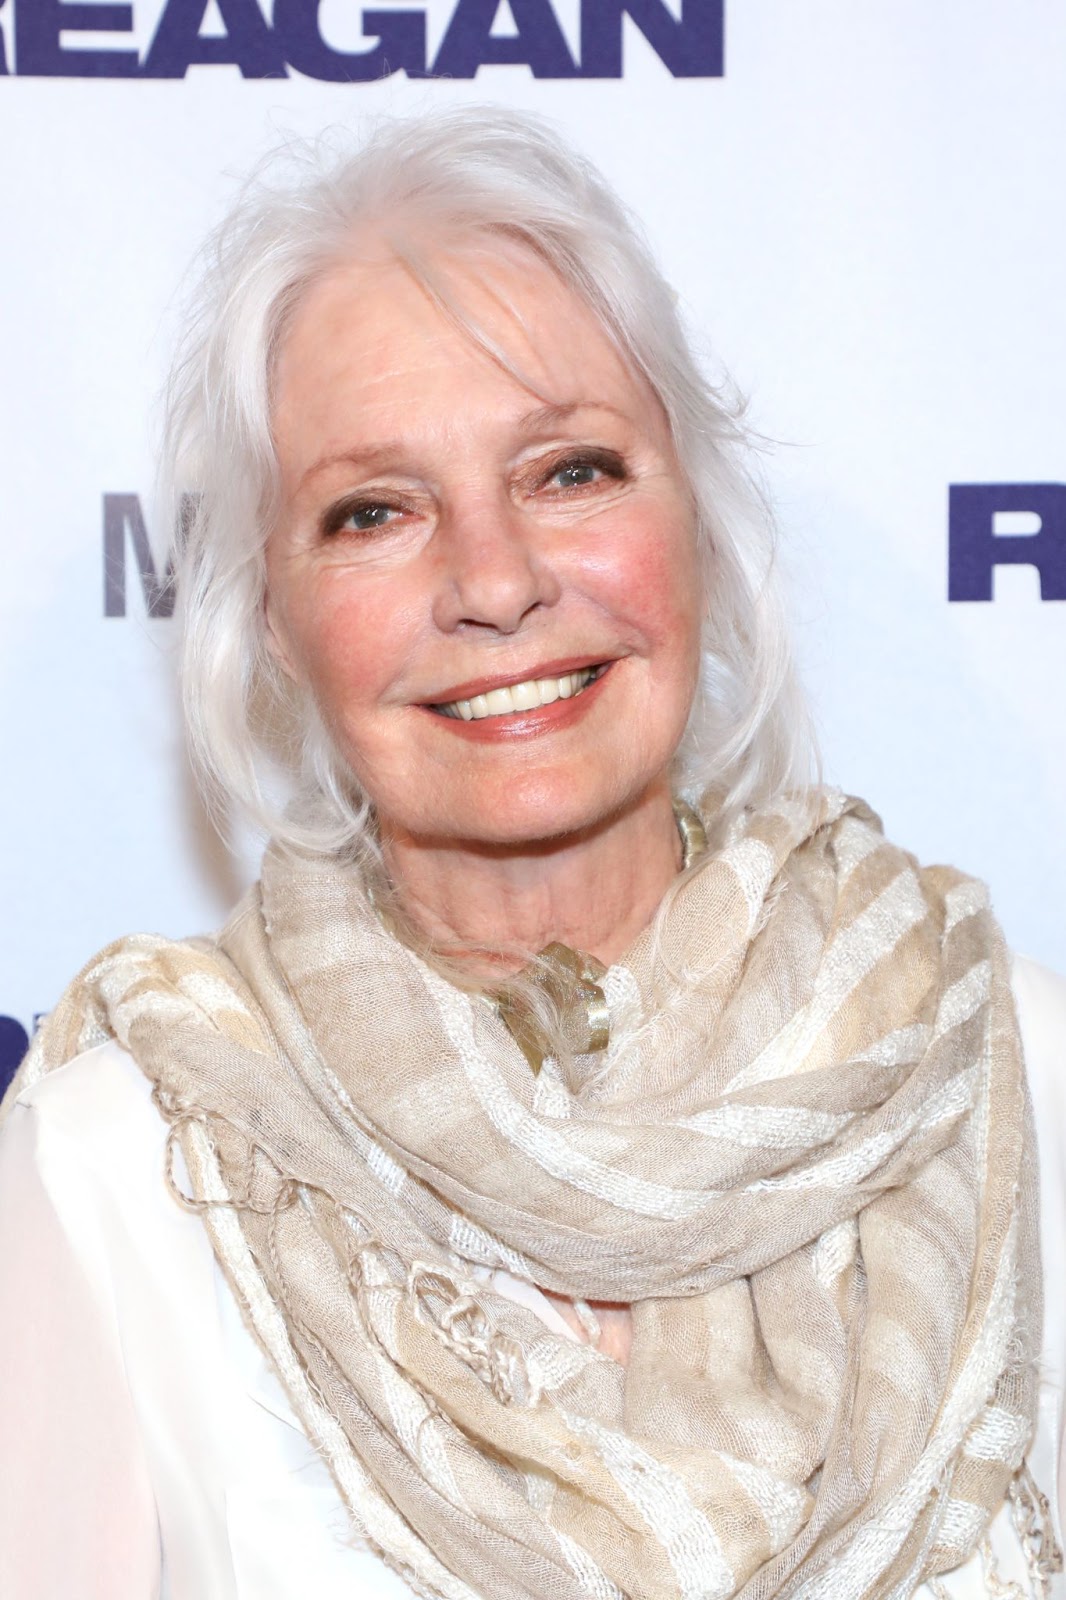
x,y
544,416
371,455
377,456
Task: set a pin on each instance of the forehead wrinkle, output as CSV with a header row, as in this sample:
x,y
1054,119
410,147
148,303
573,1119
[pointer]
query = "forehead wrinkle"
x,y
378,456
442,283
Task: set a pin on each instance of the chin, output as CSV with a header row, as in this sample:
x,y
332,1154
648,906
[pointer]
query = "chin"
x,y
533,812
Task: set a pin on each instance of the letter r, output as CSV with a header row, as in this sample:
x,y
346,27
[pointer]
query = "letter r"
x,y
975,549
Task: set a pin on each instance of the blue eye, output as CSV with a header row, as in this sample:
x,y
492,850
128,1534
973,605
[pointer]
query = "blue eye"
x,y
585,469
359,516
365,518
575,474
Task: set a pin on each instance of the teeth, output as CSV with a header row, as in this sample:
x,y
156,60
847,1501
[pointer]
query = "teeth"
x,y
521,696
500,701
524,696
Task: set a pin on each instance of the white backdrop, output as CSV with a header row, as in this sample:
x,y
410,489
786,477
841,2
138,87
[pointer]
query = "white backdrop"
x,y
865,213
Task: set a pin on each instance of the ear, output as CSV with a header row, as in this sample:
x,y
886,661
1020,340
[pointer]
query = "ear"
x,y
276,638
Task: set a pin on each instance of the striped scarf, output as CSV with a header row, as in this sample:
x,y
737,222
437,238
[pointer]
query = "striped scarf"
x,y
804,1160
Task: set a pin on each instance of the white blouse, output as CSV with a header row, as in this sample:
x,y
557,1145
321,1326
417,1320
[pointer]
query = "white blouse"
x,y
147,1449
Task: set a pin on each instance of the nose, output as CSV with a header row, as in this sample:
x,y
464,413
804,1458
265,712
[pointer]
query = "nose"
x,y
492,572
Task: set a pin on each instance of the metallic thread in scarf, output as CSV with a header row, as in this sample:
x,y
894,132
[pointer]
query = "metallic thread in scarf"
x,y
573,980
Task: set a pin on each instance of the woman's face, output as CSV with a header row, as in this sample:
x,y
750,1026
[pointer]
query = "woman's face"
x,y
488,582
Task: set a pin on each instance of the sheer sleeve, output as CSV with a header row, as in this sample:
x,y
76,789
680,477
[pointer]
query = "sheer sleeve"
x,y
1041,999
77,1516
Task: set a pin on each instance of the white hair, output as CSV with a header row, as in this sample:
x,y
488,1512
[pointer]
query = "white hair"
x,y
487,173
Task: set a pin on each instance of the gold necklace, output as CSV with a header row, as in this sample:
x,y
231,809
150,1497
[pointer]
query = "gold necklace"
x,y
573,980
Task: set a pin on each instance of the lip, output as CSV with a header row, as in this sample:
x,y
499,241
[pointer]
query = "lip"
x,y
557,717
507,680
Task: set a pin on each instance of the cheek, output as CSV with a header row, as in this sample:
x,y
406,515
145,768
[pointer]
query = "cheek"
x,y
652,581
352,636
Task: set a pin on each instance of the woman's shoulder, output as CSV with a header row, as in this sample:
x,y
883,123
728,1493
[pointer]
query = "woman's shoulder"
x,y
87,1140
97,1099
1040,997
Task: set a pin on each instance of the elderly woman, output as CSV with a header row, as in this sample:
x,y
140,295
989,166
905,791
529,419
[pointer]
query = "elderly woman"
x,y
591,1161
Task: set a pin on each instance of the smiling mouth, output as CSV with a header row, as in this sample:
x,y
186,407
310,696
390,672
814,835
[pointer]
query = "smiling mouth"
x,y
518,697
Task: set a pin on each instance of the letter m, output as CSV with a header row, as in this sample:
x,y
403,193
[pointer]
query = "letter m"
x,y
124,529
690,47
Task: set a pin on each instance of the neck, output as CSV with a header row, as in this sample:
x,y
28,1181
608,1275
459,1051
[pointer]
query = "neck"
x,y
595,891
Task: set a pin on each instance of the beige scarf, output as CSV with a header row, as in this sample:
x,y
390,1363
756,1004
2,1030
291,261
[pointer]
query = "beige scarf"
x,y
804,1160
